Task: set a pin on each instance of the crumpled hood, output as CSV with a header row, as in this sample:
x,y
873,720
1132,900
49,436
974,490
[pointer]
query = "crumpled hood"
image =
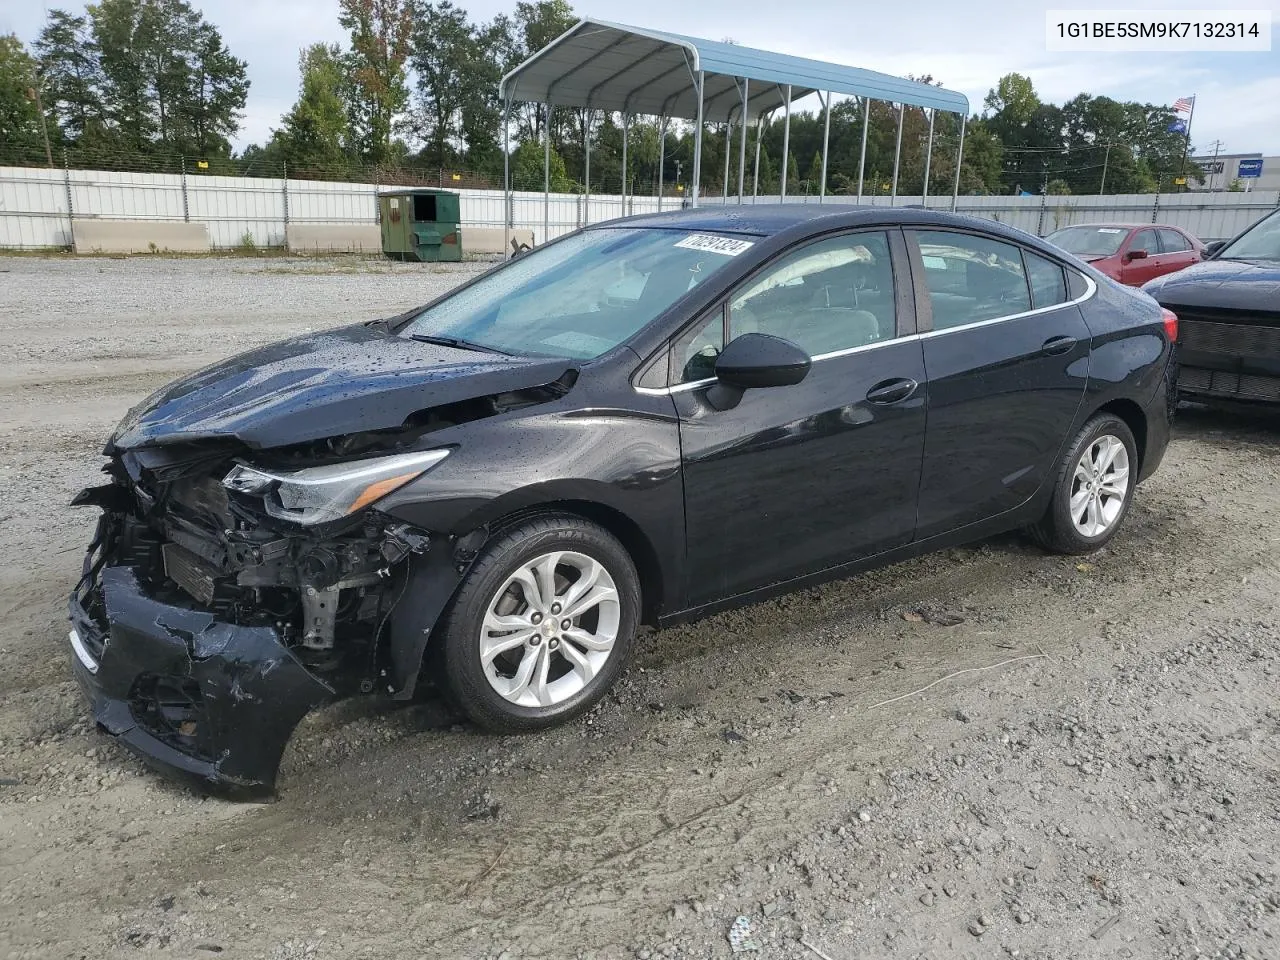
x,y
322,385
1225,284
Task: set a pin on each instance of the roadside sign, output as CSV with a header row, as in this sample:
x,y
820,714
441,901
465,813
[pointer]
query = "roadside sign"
x,y
1249,168
1180,181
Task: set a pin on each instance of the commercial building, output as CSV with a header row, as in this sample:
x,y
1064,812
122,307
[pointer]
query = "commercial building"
x,y
1221,171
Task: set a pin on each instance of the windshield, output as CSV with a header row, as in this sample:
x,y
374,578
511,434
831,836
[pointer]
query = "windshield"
x,y
1261,242
579,297
1089,241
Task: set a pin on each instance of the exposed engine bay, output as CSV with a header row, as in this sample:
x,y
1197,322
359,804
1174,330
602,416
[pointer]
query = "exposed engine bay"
x,y
325,591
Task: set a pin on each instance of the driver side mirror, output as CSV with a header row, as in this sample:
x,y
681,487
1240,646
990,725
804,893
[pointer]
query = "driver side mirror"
x,y
760,360
1211,248
1136,255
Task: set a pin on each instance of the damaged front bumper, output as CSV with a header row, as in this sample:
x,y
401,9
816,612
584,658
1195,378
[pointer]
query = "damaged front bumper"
x,y
204,701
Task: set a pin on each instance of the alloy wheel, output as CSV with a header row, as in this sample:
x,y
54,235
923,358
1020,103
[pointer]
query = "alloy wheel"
x,y
1099,486
550,629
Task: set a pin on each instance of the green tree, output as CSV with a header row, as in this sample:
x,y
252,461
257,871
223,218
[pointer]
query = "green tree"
x,y
381,33
20,121
813,179
981,168
527,169
534,26
143,76
450,65
314,137
208,115
124,43
71,76
1013,99
481,120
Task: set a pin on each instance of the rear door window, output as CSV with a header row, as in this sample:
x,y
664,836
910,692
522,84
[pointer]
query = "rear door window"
x,y
1171,241
971,278
1048,283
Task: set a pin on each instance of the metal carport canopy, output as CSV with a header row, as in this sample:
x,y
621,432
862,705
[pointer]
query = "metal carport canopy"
x,y
611,66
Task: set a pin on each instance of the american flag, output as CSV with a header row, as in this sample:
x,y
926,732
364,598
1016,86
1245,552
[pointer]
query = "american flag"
x,y
1183,104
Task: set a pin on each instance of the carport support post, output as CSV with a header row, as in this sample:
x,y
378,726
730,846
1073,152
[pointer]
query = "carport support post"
x,y
700,85
506,176
626,126
786,144
897,154
862,159
728,146
826,139
755,177
546,181
742,142
586,151
662,156
955,189
928,156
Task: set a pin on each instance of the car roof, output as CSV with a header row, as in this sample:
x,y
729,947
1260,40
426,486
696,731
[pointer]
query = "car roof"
x,y
773,218
1125,226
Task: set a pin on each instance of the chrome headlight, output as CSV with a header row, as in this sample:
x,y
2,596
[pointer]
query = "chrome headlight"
x,y
321,494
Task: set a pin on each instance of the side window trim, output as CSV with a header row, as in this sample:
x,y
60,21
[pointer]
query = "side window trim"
x,y
924,307
1062,273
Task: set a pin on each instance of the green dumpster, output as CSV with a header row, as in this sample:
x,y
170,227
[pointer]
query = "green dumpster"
x,y
421,225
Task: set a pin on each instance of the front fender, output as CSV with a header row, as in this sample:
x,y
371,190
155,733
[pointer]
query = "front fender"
x,y
625,461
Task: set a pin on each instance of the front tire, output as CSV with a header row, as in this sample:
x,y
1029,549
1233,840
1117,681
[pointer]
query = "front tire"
x,y
1094,488
542,626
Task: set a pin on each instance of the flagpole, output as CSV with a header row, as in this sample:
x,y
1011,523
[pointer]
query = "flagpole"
x,y
1186,147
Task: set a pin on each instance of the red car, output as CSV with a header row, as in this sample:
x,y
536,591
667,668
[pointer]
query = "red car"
x,y
1132,253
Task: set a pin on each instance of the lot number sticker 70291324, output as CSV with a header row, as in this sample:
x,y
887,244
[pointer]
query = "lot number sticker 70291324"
x,y
727,246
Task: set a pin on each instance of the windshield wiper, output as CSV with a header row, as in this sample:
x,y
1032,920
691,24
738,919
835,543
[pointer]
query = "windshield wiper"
x,y
456,342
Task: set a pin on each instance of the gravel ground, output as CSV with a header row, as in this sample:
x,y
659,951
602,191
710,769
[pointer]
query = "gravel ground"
x,y
986,752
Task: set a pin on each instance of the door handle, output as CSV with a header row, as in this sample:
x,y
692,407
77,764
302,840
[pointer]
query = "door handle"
x,y
892,391
1056,345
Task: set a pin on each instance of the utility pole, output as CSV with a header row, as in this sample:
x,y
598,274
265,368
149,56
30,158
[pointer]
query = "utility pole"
x,y
1213,170
1102,187
34,94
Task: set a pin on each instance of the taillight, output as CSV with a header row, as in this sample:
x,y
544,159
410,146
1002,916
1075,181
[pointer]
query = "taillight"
x,y
1170,324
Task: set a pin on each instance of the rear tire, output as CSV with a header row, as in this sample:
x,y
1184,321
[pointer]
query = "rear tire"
x,y
542,625
1093,489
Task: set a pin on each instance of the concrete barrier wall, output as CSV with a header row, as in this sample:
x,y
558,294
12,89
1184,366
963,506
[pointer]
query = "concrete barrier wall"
x,y
493,239
139,236
334,238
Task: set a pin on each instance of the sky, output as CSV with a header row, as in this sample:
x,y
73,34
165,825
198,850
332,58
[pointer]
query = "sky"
x,y
965,46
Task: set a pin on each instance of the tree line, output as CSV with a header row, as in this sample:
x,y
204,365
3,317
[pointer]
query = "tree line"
x,y
413,92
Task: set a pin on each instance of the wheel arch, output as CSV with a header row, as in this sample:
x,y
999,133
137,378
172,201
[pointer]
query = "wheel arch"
x,y
1134,418
626,530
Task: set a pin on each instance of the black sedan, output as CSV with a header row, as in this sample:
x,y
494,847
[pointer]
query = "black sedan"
x,y
1229,306
640,423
